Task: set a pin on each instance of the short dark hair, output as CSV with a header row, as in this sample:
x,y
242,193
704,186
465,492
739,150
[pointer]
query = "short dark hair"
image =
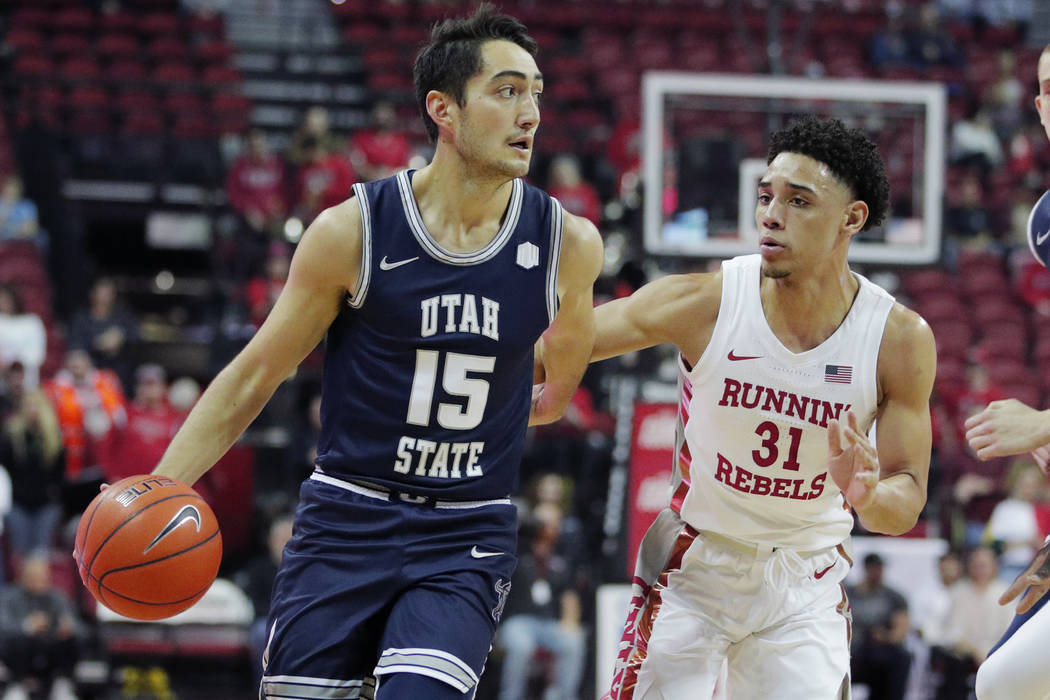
x,y
453,55
873,559
852,156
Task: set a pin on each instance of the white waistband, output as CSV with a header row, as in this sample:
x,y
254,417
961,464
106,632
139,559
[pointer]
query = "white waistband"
x,y
383,496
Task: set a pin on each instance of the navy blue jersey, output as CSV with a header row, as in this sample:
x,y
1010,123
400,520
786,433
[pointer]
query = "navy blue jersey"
x,y
428,370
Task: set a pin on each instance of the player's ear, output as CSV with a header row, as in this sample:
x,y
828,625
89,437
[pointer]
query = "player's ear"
x,y
440,107
854,217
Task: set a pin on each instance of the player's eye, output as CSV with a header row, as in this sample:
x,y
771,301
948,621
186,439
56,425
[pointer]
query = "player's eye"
x,y
507,91
763,198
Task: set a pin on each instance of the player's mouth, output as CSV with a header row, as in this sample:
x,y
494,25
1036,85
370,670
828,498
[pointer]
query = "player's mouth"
x,y
770,247
524,145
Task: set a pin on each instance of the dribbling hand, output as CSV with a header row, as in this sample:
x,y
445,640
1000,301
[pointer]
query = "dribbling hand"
x,y
852,462
1036,578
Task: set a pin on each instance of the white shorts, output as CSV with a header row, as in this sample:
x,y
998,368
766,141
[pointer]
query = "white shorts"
x,y
1020,668
779,617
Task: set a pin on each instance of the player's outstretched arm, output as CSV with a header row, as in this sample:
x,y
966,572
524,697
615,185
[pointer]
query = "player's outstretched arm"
x,y
887,486
677,309
565,346
325,266
1007,427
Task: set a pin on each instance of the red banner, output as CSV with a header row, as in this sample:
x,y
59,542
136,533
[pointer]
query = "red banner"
x,y
652,459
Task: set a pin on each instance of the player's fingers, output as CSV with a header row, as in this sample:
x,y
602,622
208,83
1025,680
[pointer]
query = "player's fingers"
x,y
1031,597
834,438
851,418
976,421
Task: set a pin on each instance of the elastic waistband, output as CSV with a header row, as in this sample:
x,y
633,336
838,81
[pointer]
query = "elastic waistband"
x,y
383,493
753,548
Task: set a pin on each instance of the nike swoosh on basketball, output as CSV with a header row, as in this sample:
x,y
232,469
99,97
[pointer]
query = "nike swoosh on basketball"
x,y
478,554
185,514
1041,238
820,574
733,357
384,265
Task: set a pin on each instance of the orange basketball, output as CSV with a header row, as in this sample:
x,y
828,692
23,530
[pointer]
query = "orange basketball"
x,y
148,547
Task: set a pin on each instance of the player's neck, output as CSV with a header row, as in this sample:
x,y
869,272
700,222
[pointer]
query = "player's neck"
x,y
804,310
462,212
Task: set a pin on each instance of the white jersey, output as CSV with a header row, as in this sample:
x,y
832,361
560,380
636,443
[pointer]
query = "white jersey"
x,y
753,462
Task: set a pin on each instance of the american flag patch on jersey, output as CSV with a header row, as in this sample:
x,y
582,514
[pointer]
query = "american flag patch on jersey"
x,y
838,374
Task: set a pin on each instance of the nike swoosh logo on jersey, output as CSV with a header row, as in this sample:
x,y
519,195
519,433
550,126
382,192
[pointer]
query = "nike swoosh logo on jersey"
x,y
186,514
384,265
478,554
733,357
1041,238
820,574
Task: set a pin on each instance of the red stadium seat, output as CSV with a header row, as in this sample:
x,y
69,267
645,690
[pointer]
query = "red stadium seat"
x,y
80,68
122,72
168,48
70,44
33,66
118,46
74,19
216,51
24,39
159,24
174,72
88,97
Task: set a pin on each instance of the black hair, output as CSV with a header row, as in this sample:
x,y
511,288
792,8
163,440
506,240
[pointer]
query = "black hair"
x,y
453,55
852,156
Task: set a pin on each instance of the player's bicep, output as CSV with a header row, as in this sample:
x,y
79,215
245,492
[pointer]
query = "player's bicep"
x,y
907,365
323,268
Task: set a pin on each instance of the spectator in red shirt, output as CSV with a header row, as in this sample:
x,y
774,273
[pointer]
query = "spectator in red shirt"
x,y
324,180
256,185
383,149
262,292
568,187
152,423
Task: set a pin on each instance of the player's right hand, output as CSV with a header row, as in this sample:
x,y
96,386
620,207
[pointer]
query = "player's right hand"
x,y
1036,578
1041,455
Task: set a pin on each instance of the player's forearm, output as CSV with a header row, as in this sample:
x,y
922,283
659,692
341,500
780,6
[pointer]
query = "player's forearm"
x,y
894,509
566,351
225,410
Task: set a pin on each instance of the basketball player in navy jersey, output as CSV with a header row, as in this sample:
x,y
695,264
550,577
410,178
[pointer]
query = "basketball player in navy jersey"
x,y
1017,667
786,360
433,288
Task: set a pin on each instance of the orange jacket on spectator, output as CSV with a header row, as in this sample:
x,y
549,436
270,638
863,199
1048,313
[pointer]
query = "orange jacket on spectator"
x,y
70,408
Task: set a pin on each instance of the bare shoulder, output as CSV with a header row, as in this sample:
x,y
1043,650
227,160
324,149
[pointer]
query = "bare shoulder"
x,y
906,331
908,356
330,250
581,249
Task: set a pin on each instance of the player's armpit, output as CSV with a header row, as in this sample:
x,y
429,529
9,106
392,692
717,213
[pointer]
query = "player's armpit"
x,y
1036,578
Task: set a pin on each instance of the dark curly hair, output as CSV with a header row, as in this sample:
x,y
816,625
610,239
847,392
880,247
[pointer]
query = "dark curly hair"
x,y
851,155
453,55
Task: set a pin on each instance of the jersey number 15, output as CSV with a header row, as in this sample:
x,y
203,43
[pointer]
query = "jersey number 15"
x,y
454,381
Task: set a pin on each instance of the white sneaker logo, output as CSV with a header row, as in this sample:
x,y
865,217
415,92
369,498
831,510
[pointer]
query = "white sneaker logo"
x,y
478,554
1041,238
384,265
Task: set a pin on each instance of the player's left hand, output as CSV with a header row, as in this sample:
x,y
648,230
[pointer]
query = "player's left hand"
x,y
1036,578
1006,427
852,462
540,414
1041,455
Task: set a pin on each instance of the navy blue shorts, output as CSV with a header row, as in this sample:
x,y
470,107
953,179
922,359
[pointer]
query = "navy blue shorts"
x,y
371,585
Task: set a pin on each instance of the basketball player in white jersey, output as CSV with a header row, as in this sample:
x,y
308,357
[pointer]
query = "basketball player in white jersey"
x,y
1018,667
787,359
